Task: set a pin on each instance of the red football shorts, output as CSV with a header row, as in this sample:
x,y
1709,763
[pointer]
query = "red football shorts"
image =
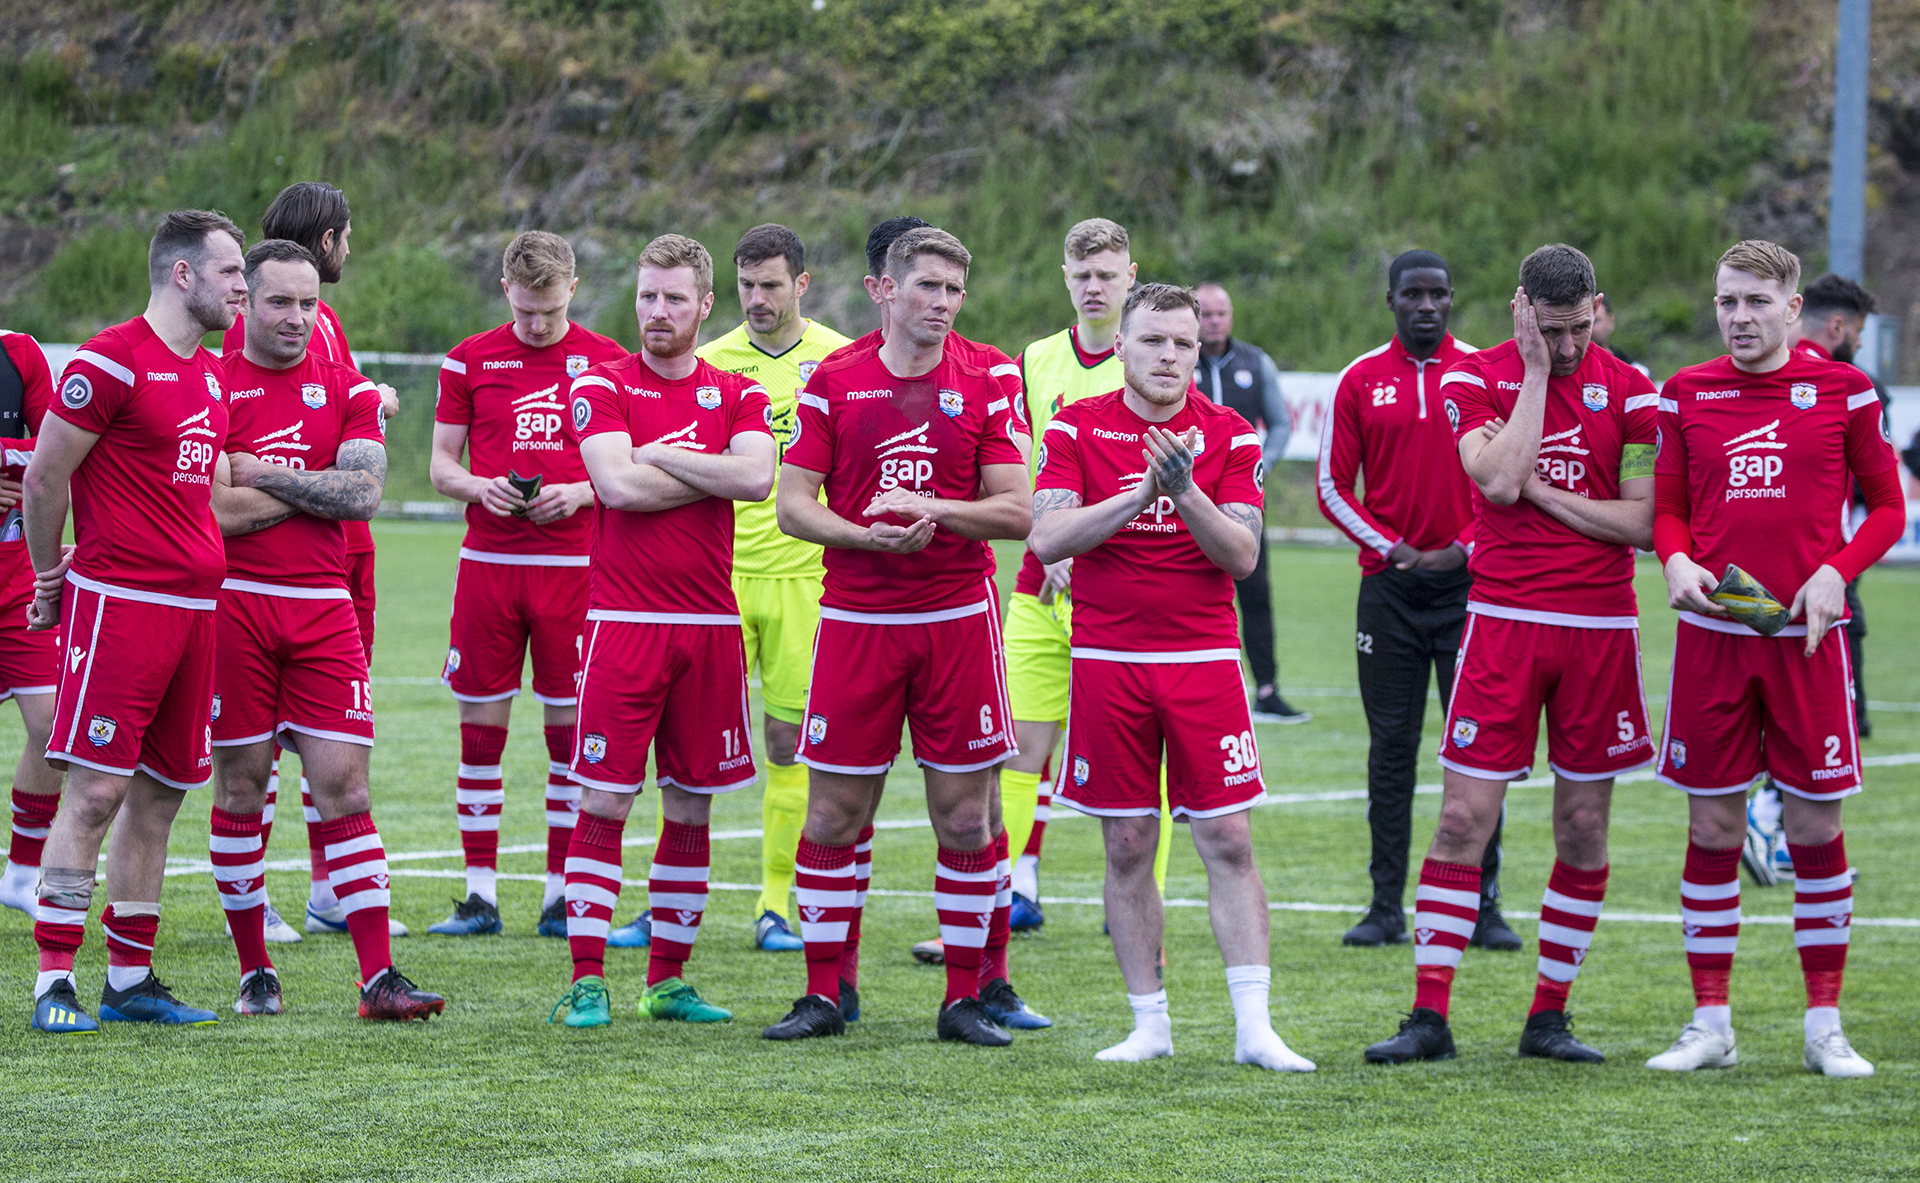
x,y
500,612
29,662
1588,679
136,686
942,674
289,664
681,688
1752,703
360,587
1122,714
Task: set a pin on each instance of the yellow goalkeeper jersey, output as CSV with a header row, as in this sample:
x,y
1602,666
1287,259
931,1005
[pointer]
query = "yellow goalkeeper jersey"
x,y
759,548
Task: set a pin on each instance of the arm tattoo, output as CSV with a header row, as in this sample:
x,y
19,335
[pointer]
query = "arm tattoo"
x,y
1247,515
1175,474
349,491
259,524
1048,500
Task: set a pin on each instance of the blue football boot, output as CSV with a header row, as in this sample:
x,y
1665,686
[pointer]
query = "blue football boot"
x,y
149,1001
57,1012
637,934
476,917
771,933
1009,1010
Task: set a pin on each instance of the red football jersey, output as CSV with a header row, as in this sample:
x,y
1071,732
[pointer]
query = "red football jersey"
x,y
1149,591
16,568
1769,461
329,340
1387,428
298,417
143,497
1526,565
869,431
676,562
509,396
1003,369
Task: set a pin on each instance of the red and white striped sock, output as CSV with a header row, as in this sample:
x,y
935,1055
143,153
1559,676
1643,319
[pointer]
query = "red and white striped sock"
x,y
357,870
677,896
59,927
593,890
32,817
824,890
131,929
320,892
1710,926
563,810
862,876
237,848
964,884
1446,906
993,956
478,796
273,798
1568,913
1822,926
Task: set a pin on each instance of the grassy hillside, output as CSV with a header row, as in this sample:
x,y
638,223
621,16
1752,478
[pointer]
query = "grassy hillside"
x,y
1286,147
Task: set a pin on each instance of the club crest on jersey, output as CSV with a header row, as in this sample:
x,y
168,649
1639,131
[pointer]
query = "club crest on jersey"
x,y
100,731
213,386
1199,443
1677,753
816,729
76,391
1081,770
806,371
708,397
951,404
313,394
576,365
1465,731
593,747
1593,396
216,708
1243,379
1803,395
582,413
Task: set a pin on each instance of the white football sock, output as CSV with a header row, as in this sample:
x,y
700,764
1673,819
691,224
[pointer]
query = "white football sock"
x,y
1026,876
126,977
48,977
556,887
1822,1019
480,882
1254,1039
320,896
1714,1018
1152,1031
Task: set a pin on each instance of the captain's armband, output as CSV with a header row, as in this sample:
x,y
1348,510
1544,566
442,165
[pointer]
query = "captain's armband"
x,y
1636,460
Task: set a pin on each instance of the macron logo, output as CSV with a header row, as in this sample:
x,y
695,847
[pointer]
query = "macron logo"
x,y
153,376
500,365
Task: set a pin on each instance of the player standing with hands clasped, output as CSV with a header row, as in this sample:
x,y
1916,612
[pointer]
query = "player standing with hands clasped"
x,y
1563,492
1758,451
1156,654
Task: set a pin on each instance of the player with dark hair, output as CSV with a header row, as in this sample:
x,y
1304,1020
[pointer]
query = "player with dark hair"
x,y
1414,526
1558,439
521,587
1156,655
915,448
1759,453
131,444
306,451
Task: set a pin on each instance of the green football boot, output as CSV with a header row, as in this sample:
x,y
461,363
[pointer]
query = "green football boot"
x,y
586,1004
676,999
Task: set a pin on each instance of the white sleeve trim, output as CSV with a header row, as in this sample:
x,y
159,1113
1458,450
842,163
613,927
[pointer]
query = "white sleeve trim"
x,y
815,401
591,380
1249,440
1057,425
1343,513
1452,376
458,367
1641,402
998,404
106,364
1005,369
1669,405
1863,399
363,387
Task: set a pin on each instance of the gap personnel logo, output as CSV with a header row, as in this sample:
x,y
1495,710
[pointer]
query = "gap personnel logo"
x,y
576,365
582,413
897,465
1553,462
1593,396
1465,731
216,708
453,665
100,731
536,420
816,729
213,386
313,394
1803,395
1453,414
687,437
1750,458
593,747
951,403
76,391
1677,753
1081,770
708,397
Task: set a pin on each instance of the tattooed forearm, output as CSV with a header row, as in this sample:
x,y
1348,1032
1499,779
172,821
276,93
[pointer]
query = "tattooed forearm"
x,y
255,525
350,491
1246,515
1048,500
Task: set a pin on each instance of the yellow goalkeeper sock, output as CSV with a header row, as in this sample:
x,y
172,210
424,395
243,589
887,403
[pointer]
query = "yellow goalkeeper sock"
x,y
783,811
1019,794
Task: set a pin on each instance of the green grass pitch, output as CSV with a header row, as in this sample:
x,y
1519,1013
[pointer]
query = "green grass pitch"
x,y
491,1091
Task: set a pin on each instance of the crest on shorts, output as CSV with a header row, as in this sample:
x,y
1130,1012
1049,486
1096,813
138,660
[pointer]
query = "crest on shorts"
x,y
1081,770
1803,395
1677,752
951,403
76,391
708,397
1593,395
576,365
1465,731
816,729
216,708
593,747
582,413
213,385
100,731
453,665
313,394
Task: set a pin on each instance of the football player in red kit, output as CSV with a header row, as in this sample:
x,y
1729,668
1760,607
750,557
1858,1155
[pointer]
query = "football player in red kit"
x,y
915,446
1558,438
1759,451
